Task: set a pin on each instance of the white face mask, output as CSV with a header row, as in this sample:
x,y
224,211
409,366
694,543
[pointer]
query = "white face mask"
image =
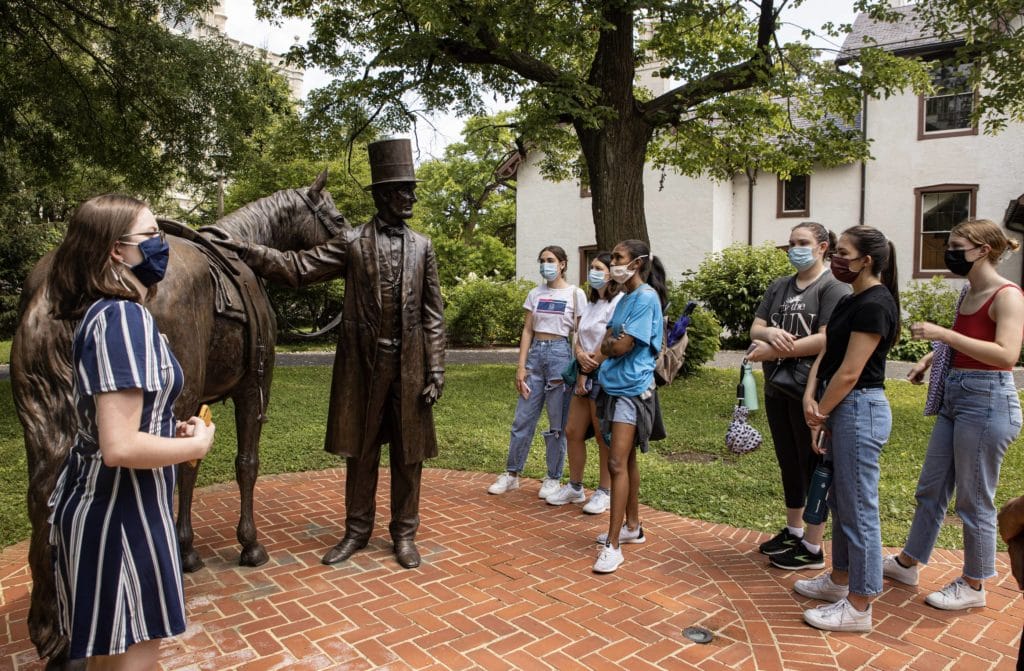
x,y
621,274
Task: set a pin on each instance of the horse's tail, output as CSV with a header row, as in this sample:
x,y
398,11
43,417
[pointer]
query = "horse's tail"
x,y
41,383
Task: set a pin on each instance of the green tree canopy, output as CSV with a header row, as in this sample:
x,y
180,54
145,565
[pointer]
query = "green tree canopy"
x,y
572,69
467,208
101,96
104,93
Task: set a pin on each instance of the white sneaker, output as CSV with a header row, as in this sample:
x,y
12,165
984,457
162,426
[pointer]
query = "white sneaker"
x,y
548,487
839,616
821,588
626,535
893,569
598,503
566,494
957,595
608,560
506,482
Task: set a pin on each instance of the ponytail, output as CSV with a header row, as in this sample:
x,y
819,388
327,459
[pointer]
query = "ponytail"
x,y
656,279
891,281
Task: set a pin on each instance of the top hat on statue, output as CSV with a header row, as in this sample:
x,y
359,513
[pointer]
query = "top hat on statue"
x,y
391,162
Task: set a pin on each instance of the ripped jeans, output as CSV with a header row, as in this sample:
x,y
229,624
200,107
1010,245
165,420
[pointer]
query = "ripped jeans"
x,y
544,365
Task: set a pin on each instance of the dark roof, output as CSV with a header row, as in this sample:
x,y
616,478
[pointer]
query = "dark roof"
x,y
906,37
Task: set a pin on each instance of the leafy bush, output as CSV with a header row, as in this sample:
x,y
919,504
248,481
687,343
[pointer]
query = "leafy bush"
x,y
931,301
703,331
480,311
486,255
732,282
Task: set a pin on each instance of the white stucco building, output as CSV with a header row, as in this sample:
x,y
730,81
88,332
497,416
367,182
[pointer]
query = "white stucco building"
x,y
931,169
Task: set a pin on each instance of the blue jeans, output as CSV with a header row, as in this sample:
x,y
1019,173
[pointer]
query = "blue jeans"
x,y
544,365
980,417
860,426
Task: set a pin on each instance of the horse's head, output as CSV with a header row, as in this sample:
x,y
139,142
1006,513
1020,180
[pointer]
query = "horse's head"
x,y
287,219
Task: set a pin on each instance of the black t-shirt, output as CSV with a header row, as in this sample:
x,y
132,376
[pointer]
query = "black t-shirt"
x,y
871,311
801,312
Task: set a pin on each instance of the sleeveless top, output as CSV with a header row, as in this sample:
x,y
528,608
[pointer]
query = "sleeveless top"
x,y
980,326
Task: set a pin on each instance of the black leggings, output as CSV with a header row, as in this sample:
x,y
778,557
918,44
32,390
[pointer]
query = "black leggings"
x,y
792,439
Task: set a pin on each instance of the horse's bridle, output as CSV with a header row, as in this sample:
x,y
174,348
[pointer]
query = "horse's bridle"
x,y
318,211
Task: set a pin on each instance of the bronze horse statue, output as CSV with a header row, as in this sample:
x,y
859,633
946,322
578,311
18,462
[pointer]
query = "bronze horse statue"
x,y
216,315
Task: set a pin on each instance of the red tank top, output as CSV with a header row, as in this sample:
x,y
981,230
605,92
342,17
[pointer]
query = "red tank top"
x,y
980,326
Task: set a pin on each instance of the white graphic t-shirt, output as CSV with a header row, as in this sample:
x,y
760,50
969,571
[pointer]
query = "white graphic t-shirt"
x,y
553,310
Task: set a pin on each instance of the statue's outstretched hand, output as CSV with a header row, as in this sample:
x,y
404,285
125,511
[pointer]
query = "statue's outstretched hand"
x,y
435,386
240,247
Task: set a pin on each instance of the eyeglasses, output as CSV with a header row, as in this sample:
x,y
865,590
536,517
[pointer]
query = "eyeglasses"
x,y
960,249
148,234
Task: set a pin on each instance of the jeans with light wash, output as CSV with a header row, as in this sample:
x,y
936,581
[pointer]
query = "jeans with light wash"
x,y
859,426
980,417
544,365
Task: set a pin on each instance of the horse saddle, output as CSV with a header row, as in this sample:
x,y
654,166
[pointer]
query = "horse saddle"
x,y
238,294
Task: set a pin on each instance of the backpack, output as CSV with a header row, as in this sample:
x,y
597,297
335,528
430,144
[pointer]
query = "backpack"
x,y
673,348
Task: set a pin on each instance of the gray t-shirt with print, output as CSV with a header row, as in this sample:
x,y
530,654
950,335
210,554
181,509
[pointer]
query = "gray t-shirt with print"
x,y
800,312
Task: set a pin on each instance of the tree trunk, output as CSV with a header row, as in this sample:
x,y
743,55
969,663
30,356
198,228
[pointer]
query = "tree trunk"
x,y
615,157
615,152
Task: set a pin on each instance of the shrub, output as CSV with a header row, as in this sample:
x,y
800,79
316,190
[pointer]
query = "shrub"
x,y
703,331
931,301
481,311
732,282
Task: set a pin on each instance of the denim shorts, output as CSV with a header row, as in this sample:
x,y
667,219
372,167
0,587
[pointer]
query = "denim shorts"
x,y
625,411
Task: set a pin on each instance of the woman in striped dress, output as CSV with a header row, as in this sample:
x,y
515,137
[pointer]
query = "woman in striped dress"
x,y
117,569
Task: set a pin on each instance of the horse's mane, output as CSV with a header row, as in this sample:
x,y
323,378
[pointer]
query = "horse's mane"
x,y
251,222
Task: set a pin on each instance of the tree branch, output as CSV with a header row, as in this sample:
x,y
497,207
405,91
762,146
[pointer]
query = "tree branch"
x,y
674,103
526,66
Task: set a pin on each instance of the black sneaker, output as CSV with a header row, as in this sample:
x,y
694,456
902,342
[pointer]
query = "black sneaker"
x,y
797,558
783,541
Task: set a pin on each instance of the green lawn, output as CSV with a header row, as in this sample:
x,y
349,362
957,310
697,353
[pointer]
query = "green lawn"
x,y
691,473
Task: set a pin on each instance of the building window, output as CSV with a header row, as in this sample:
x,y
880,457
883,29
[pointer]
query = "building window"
x,y
587,254
947,111
794,197
937,210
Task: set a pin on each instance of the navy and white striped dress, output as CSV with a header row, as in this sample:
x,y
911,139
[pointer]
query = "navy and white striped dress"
x,y
118,570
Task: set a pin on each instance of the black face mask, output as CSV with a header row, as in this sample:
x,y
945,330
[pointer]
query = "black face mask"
x,y
956,261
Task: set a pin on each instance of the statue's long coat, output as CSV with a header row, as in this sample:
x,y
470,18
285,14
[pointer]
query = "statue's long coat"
x,y
352,254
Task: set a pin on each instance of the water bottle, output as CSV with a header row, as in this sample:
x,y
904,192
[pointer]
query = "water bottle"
x,y
749,387
816,509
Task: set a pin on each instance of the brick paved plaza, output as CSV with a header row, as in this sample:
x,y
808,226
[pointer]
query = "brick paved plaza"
x,y
506,584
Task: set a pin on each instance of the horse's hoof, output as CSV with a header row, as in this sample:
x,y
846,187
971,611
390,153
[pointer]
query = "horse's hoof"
x,y
190,562
254,555
62,663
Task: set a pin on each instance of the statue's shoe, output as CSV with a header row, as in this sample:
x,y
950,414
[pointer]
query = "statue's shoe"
x,y
343,550
407,554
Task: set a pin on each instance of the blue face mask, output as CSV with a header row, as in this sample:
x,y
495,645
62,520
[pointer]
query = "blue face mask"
x,y
155,253
802,258
596,279
549,271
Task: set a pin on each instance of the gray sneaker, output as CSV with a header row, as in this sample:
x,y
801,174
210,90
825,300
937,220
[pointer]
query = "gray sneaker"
x,y
821,588
957,595
893,569
566,494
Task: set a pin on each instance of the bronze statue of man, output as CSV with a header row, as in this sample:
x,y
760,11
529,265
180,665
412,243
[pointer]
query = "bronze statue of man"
x,y
389,366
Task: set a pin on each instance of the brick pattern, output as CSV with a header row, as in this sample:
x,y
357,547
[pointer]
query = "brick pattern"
x,y
506,584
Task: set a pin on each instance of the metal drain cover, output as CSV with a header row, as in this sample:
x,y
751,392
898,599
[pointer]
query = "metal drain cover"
x,y
698,634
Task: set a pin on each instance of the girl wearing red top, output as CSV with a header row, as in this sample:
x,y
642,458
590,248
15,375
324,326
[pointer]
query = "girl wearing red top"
x,y
979,418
